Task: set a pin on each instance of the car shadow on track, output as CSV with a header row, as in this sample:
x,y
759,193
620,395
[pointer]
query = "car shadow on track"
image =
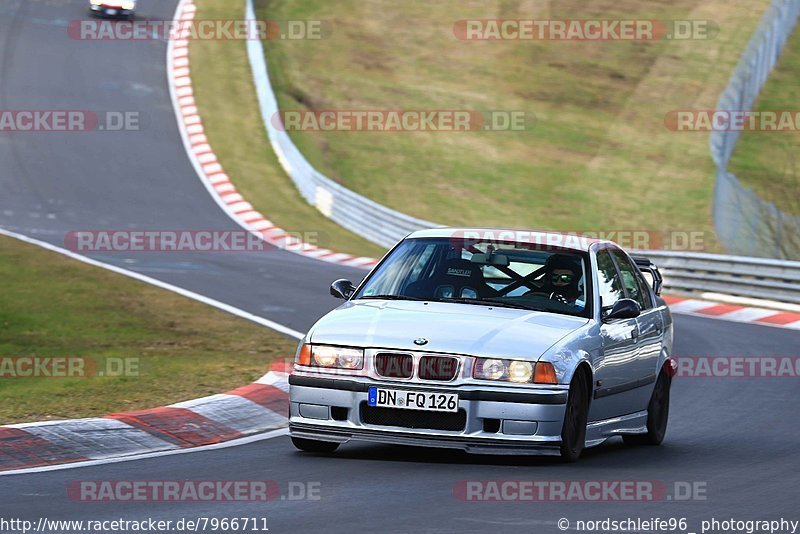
x,y
612,453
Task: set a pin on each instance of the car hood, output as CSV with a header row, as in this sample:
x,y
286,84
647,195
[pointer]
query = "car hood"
x,y
451,328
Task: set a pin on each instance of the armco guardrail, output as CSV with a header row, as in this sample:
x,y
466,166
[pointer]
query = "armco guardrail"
x,y
758,278
745,223
364,217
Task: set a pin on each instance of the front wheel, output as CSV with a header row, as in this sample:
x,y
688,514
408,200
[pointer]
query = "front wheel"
x,y
573,433
312,445
657,414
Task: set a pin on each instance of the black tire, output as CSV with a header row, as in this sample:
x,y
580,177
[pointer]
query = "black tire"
x,y
573,433
657,414
312,445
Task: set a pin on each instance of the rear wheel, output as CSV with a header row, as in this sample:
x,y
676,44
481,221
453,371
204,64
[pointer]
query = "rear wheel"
x,y
573,433
312,445
657,414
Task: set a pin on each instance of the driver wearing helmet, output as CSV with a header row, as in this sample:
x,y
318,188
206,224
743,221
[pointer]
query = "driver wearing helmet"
x,y
562,274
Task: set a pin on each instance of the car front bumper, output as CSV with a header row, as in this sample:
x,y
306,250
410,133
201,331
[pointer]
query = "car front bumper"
x,y
491,419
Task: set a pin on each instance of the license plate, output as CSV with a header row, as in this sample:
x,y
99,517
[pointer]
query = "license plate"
x,y
112,11
412,400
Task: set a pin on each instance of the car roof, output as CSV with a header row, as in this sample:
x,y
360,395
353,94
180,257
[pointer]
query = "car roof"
x,y
569,240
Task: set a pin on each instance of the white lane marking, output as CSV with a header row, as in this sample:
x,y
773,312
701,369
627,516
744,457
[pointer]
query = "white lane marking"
x,y
158,283
89,463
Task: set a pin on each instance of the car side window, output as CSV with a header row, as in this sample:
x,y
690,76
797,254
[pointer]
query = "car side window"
x,y
632,280
610,286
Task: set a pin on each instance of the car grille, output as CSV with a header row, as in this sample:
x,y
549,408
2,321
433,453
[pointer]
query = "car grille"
x,y
436,368
394,365
371,415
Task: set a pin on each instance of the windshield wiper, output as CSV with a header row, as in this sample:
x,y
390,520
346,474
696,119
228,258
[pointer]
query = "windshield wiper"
x,y
486,302
390,297
456,300
512,304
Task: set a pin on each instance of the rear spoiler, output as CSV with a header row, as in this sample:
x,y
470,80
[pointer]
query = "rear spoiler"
x,y
647,266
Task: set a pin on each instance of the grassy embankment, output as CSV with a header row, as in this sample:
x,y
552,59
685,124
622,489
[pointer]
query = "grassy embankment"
x,y
177,349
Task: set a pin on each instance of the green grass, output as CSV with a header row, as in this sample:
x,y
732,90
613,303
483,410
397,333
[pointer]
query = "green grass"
x,y
767,162
227,103
54,306
598,158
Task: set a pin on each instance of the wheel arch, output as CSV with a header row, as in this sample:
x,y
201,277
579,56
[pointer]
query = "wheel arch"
x,y
584,367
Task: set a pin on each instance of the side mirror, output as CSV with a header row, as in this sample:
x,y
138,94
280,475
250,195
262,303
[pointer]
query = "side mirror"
x,y
342,289
623,309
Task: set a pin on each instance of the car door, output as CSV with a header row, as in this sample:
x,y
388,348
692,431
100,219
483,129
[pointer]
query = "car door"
x,y
614,365
650,325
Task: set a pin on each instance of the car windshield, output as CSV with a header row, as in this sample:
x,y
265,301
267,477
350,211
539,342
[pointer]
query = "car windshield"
x,y
487,273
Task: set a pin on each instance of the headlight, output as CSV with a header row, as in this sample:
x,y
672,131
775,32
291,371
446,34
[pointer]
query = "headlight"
x,y
96,2
505,370
490,369
324,356
128,5
520,371
331,357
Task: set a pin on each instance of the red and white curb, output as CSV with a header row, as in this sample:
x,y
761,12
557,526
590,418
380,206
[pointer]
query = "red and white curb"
x,y
733,312
210,170
253,409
